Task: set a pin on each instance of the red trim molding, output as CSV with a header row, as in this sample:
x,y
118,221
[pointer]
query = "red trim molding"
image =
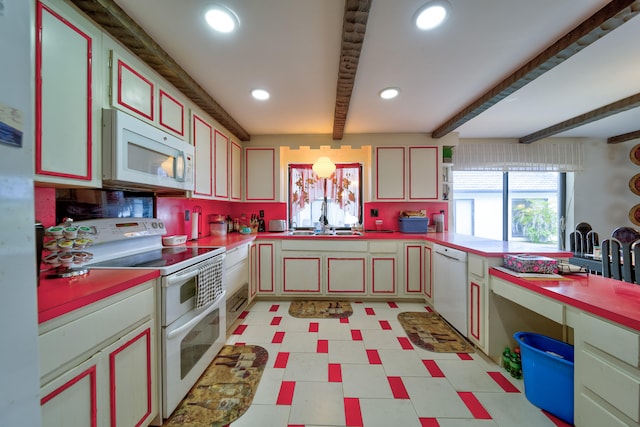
x,y
271,262
223,139
474,310
363,285
195,139
284,275
165,96
373,276
91,373
122,66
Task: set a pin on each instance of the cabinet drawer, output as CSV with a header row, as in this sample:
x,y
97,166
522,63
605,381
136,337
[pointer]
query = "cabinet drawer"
x,y
324,245
476,266
589,413
611,384
614,340
382,247
61,345
236,255
539,304
237,276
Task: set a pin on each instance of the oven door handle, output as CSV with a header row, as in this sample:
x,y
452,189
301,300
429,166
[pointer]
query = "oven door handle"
x,y
195,320
178,278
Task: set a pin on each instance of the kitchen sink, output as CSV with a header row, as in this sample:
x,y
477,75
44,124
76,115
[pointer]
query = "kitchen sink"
x,y
328,233
302,233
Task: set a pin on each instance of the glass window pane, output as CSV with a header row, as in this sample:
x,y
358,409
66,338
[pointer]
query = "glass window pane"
x,y
533,201
478,203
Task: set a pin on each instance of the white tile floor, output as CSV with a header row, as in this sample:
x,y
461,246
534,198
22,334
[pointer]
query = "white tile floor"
x,y
356,372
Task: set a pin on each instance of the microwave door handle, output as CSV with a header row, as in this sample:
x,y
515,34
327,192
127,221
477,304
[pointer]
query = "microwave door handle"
x,y
180,158
178,278
191,322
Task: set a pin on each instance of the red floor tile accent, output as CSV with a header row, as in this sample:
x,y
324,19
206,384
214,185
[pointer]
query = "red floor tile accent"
x,y
385,325
278,337
285,396
314,326
503,382
295,425
276,321
397,388
374,357
433,368
557,421
335,373
240,329
428,422
392,304
274,307
322,346
240,344
356,335
344,320
474,405
281,360
429,309
352,413
465,356
243,315
405,343
369,311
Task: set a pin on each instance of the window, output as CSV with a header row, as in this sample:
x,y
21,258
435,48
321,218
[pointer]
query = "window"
x,y
518,206
342,190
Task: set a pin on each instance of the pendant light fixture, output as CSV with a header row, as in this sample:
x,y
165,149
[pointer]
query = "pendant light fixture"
x,y
324,167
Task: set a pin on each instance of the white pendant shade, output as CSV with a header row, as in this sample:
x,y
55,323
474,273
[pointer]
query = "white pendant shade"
x,y
324,167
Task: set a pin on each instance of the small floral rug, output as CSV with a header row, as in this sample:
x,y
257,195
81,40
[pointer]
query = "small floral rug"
x,y
320,309
431,332
224,391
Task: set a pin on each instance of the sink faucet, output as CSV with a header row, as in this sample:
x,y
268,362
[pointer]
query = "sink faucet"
x,y
324,220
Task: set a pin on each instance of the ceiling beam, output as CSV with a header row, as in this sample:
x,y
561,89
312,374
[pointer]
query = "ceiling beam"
x,y
610,17
356,13
628,103
116,22
624,137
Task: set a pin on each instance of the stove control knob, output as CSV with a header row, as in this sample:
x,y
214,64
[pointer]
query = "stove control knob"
x,y
161,225
154,225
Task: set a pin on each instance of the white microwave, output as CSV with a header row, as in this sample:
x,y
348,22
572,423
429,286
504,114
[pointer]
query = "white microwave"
x,y
139,156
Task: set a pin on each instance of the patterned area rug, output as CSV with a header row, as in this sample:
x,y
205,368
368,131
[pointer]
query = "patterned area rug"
x,y
430,332
320,309
224,391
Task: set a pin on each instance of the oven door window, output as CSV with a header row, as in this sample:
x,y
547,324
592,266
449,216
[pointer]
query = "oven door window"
x,y
200,339
188,291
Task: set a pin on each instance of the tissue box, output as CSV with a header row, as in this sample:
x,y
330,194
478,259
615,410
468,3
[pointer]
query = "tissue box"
x,y
531,264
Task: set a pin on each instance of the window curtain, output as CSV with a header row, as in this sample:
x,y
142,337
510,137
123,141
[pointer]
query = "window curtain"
x,y
342,187
539,157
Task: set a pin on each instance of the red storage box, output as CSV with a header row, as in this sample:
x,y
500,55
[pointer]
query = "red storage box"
x,y
531,264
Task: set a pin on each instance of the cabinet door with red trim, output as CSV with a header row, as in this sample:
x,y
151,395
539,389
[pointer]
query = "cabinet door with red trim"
x,y
235,174
171,113
423,173
202,135
260,174
72,399
477,270
390,173
346,274
132,377
67,108
428,268
132,90
221,165
413,268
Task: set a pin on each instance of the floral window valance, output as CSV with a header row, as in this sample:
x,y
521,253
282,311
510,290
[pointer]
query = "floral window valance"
x,y
341,187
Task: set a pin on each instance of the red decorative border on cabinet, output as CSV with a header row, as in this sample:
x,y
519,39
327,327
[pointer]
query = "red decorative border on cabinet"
x,y
195,139
406,267
121,65
246,172
474,310
373,276
225,138
430,281
270,245
284,275
403,173
231,172
163,95
329,259
39,169
91,372
437,195
112,380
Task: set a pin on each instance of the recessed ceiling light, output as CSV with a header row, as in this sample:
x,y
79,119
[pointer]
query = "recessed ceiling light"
x,y
432,14
260,94
389,93
221,18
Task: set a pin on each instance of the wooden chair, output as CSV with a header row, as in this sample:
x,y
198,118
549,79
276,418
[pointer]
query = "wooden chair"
x,y
619,254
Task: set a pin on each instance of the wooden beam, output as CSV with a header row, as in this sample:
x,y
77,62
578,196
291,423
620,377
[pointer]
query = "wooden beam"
x,y
628,103
356,13
116,22
610,17
624,137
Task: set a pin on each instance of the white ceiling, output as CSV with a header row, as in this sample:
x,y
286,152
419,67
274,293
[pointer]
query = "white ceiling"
x,y
292,49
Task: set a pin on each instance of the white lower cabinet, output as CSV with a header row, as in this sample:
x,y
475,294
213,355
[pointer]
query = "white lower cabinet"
x,y
98,365
262,259
477,273
427,272
383,268
301,274
413,269
607,374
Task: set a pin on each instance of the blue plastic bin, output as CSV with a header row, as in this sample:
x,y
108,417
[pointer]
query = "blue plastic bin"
x,y
413,224
547,369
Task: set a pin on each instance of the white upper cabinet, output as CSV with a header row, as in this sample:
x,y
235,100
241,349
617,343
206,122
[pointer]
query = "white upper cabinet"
x,y
67,97
221,165
202,134
406,173
260,171
171,113
235,174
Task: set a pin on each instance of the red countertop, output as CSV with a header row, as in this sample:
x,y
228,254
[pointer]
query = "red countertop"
x,y
60,296
610,299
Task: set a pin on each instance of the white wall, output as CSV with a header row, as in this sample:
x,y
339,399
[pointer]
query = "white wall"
x,y
601,194
19,362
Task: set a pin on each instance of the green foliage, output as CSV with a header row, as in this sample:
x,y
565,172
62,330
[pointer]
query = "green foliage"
x,y
537,219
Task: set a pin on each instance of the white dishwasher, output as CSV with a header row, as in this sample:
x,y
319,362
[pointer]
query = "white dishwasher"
x,y
450,286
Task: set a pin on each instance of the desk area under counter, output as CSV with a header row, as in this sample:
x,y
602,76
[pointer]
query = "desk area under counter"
x,y
599,316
